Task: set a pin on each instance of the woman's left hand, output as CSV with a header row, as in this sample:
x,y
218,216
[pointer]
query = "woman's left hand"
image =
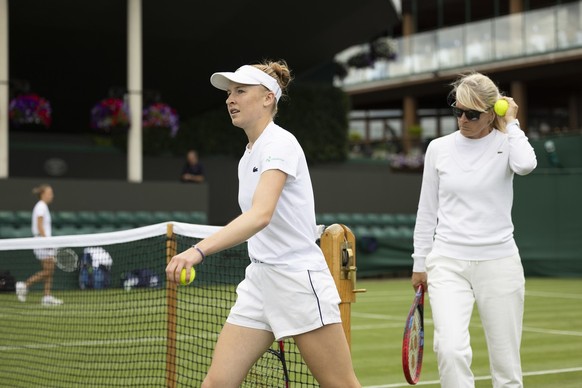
x,y
512,110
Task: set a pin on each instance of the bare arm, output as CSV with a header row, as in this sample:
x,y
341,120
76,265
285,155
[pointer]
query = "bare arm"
x,y
39,223
238,230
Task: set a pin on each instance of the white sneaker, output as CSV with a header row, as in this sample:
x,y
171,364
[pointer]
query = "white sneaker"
x,y
49,300
21,291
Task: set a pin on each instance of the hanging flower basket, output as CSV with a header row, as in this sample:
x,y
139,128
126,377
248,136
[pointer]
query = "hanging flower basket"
x,y
160,125
110,115
413,162
161,115
30,109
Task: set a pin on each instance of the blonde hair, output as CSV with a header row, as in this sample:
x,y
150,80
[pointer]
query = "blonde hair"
x,y
40,189
477,91
281,72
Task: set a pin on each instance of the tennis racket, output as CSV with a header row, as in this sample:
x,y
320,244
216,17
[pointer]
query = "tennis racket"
x,y
66,259
270,370
413,341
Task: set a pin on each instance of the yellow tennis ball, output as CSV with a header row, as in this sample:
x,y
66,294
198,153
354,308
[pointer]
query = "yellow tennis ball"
x,y
183,276
501,107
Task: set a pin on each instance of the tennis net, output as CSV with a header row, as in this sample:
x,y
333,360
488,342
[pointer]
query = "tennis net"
x,y
121,324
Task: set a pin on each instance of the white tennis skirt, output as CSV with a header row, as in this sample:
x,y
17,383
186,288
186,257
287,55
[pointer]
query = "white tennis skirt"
x,y
45,253
287,303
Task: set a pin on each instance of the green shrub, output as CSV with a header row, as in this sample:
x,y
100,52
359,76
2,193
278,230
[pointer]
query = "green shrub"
x,y
316,114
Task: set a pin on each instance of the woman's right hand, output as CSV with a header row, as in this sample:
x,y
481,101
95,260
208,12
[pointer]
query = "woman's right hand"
x,y
419,278
185,260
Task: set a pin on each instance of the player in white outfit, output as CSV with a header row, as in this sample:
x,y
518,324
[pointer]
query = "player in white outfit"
x,y
41,227
463,238
288,290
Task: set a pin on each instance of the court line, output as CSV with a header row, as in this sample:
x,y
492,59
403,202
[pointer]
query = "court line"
x,y
549,331
552,294
85,343
481,378
394,318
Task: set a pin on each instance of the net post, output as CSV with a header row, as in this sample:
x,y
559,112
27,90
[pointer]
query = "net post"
x,y
171,300
338,244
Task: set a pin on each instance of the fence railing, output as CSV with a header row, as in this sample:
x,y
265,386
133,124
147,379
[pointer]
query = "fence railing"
x,y
516,36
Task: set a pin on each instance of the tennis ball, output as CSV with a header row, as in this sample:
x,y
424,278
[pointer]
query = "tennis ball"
x,y
183,276
500,107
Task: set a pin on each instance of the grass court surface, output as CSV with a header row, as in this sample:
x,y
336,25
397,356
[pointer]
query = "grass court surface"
x,y
123,343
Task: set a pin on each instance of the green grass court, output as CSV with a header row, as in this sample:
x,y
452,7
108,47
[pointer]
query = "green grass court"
x,y
135,354
551,343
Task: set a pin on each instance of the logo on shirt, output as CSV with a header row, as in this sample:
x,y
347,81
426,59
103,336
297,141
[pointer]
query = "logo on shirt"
x,y
255,169
272,159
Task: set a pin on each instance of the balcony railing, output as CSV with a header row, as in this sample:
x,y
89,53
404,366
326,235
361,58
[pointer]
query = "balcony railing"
x,y
516,36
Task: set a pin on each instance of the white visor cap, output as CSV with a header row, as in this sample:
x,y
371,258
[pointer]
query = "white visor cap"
x,y
246,75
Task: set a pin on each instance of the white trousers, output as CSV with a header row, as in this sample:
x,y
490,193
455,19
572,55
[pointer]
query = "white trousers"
x,y
498,288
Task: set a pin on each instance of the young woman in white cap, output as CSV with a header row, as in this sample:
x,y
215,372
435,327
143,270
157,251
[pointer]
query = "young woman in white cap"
x,y
288,290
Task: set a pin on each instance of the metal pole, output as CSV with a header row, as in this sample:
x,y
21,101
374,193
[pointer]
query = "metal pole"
x,y
4,144
134,90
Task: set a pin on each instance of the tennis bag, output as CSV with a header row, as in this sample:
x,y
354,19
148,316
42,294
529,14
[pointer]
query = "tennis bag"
x,y
95,269
140,277
7,282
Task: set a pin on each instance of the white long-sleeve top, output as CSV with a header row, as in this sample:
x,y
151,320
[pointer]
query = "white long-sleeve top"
x,y
464,210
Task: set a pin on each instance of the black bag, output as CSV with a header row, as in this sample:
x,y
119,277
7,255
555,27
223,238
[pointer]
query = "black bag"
x,y
7,282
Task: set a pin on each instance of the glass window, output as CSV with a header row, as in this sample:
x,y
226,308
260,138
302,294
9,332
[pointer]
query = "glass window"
x,y
450,47
569,25
479,46
539,31
507,36
448,125
424,49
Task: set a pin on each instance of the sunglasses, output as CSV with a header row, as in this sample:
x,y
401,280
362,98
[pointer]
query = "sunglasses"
x,y
472,115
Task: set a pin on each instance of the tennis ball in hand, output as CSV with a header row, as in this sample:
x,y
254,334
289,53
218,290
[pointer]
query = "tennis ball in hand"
x,y
500,107
183,276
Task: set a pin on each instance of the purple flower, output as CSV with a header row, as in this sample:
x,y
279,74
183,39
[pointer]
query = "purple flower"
x,y
403,161
110,114
161,115
30,109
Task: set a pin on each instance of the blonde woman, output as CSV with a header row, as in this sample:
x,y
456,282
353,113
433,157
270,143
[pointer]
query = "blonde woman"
x,y
41,227
463,239
288,290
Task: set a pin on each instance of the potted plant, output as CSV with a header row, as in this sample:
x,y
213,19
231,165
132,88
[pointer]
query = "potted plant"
x,y
30,110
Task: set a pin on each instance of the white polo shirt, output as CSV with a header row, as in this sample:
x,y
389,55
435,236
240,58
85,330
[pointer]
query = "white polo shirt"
x,y
290,238
41,210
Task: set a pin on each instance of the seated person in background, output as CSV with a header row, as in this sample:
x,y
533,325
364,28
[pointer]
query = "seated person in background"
x,y
193,170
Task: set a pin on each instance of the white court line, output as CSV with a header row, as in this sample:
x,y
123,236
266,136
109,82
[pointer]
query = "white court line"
x,y
378,316
480,378
212,336
393,318
548,331
396,319
553,294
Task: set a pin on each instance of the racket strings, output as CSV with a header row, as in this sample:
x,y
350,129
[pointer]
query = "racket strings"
x,y
414,342
267,372
67,260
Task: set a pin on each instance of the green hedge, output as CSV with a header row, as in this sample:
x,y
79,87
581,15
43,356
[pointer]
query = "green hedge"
x,y
317,114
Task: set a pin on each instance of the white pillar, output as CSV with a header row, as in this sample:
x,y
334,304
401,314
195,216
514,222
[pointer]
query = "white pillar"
x,y
134,87
4,145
